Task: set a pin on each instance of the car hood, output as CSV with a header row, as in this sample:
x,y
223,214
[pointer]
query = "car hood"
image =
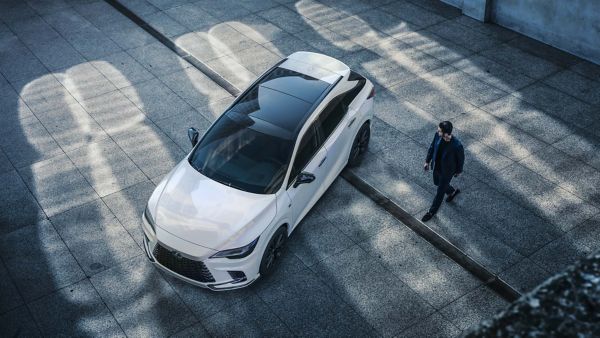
x,y
204,212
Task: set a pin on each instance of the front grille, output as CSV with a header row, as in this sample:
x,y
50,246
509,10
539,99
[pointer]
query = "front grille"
x,y
186,267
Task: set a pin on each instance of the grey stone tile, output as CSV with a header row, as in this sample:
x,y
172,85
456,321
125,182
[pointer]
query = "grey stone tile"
x,y
493,73
427,96
230,68
166,4
451,80
433,326
256,59
582,146
67,21
472,238
254,6
330,43
95,237
176,127
357,30
84,81
351,6
373,292
287,19
57,185
129,203
150,149
384,136
524,276
286,46
45,7
14,11
106,167
57,53
158,59
574,176
165,24
315,13
38,260
506,220
206,303
155,99
315,239
73,311
197,330
248,318
127,34
194,87
140,7
386,22
360,219
9,295
463,36
519,60
588,69
221,39
19,207
427,271
544,51
407,56
99,13
577,85
203,45
506,139
382,71
530,119
543,197
482,161
92,43
122,70
474,307
18,322
142,302
192,16
444,9
114,112
224,10
306,305
559,104
577,243
488,28
33,31
5,164
28,142
413,14
258,29
18,63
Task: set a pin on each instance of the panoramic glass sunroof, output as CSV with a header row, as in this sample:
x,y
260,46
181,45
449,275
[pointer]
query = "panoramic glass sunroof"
x,y
299,85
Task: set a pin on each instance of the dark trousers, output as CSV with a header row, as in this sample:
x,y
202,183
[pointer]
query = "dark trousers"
x,y
444,187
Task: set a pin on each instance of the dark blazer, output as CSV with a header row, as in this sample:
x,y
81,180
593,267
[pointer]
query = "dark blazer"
x,y
452,159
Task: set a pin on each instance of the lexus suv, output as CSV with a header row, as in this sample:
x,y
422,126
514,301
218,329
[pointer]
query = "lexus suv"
x,y
221,217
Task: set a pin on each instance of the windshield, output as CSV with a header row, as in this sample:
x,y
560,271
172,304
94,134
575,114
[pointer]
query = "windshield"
x,y
239,153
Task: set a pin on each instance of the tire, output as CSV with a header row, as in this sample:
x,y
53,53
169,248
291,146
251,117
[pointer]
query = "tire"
x,y
360,145
273,251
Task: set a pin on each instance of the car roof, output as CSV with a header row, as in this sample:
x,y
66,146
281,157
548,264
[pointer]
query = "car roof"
x,y
317,65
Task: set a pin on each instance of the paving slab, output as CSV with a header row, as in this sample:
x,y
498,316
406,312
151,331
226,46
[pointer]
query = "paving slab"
x,y
9,295
127,34
33,30
374,292
5,164
231,69
288,19
95,237
381,71
67,21
385,22
73,311
583,146
14,11
19,207
57,184
288,45
256,59
488,28
197,330
525,275
224,10
463,36
141,301
542,50
433,326
440,8
18,63
414,14
354,28
155,99
192,16
19,322
165,24
587,69
258,29
38,260
84,81
140,7
493,73
99,13
158,59
577,85
517,59
106,167
122,70
328,42
436,46
92,43
194,87
474,307
114,112
176,127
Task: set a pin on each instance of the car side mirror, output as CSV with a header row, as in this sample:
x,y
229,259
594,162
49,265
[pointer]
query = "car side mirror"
x,y
193,134
303,177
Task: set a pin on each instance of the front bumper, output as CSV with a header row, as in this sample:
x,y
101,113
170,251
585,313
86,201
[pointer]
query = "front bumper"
x,y
215,274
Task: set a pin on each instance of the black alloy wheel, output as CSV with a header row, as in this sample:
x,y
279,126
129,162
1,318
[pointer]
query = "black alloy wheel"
x,y
273,251
360,145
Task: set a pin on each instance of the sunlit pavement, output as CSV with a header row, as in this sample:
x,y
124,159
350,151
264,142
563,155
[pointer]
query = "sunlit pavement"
x,y
94,112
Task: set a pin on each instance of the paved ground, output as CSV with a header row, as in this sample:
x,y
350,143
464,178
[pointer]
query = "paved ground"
x,y
94,112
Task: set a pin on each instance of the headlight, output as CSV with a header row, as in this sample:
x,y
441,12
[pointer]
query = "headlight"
x,y
149,219
237,252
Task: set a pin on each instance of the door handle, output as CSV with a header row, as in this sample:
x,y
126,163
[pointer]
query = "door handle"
x,y
322,161
351,122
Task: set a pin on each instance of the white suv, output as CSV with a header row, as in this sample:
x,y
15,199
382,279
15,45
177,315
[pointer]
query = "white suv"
x,y
220,218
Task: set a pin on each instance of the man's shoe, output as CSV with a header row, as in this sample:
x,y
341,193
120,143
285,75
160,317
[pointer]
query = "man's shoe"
x,y
427,217
451,197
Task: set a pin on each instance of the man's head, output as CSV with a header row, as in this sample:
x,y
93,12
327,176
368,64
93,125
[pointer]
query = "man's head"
x,y
445,130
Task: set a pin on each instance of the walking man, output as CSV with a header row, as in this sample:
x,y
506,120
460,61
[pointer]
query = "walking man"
x,y
446,157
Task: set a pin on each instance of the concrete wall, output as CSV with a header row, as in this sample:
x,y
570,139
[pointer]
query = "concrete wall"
x,y
570,25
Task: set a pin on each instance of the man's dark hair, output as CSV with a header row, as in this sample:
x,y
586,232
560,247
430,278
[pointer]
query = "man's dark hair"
x,y
446,127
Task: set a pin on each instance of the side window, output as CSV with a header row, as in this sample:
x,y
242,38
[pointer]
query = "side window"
x,y
352,93
306,150
331,116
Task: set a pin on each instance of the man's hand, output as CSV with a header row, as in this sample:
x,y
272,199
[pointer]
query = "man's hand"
x,y
426,166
